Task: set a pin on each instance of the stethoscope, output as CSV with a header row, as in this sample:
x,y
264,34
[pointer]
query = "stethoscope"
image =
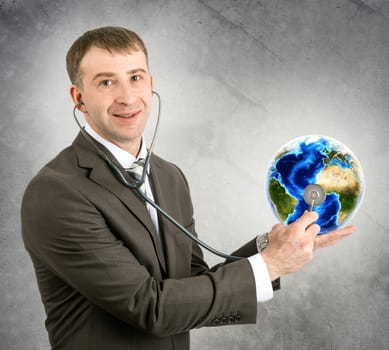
x,y
137,182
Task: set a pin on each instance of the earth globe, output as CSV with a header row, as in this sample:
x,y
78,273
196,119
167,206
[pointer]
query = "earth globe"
x,y
318,173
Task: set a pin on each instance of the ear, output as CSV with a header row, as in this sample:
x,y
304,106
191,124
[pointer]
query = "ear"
x,y
76,95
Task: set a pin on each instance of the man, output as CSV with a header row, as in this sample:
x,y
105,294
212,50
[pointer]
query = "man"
x,y
112,273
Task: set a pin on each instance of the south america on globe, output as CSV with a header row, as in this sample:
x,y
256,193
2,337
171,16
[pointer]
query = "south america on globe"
x,y
319,160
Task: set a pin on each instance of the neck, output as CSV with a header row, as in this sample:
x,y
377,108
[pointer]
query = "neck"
x,y
132,148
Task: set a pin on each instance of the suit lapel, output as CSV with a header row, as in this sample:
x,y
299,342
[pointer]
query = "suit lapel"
x,y
102,174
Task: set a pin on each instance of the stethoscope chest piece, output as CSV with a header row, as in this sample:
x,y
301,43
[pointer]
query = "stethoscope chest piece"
x,y
314,195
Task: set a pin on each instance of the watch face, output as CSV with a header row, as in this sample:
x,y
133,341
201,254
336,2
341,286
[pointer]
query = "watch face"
x,y
262,241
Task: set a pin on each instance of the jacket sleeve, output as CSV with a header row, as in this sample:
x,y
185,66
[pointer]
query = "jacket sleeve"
x,y
69,236
250,249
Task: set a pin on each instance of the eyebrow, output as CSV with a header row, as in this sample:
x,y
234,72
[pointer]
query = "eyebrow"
x,y
110,74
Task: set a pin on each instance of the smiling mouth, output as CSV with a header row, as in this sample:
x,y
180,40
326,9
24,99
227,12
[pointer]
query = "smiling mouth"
x,y
126,115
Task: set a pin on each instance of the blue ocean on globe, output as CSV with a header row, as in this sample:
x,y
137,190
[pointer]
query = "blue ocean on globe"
x,y
320,160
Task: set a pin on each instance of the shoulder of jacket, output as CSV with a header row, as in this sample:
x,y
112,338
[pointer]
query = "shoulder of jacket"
x,y
164,164
60,168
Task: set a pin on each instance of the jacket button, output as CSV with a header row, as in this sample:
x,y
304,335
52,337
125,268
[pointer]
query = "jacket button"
x,y
231,319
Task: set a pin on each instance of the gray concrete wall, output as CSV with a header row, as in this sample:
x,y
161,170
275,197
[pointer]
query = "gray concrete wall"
x,y
238,80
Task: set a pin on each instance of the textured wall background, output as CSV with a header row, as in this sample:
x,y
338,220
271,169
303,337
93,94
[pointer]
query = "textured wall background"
x,y
238,80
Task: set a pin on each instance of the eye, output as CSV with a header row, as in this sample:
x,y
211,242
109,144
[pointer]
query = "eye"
x,y
106,82
135,77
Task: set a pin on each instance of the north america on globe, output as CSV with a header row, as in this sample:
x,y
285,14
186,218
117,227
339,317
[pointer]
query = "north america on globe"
x,y
320,160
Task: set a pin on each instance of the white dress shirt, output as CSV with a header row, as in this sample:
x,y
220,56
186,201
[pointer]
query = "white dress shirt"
x,y
264,288
126,159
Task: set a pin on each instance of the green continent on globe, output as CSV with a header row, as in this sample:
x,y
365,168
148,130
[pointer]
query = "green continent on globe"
x,y
283,202
334,154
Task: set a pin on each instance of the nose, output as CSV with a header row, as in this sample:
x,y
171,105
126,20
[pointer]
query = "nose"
x,y
124,94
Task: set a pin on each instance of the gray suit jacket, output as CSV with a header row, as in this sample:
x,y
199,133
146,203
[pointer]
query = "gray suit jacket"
x,y
106,280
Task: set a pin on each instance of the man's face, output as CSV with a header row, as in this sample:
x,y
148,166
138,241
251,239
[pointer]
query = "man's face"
x,y
117,92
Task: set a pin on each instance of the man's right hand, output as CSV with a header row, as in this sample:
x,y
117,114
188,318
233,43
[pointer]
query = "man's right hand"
x,y
291,247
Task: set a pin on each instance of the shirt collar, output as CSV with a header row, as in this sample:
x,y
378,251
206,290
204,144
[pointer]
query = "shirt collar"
x,y
124,158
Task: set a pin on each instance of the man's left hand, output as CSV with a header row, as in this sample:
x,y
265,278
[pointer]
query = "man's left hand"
x,y
330,238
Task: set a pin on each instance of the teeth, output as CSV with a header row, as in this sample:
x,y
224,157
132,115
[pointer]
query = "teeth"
x,y
123,115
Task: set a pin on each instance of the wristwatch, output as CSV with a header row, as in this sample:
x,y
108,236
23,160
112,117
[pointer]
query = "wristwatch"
x,y
262,241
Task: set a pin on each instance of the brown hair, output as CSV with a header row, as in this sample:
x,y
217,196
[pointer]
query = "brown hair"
x,y
108,38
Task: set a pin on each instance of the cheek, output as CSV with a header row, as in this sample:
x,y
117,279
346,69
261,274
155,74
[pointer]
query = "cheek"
x,y
149,100
96,114
98,106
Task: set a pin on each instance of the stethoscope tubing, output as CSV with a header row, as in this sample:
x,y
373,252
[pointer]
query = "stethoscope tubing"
x,y
138,183
161,211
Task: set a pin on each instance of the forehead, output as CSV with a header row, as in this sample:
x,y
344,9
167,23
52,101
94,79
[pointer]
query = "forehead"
x,y
97,60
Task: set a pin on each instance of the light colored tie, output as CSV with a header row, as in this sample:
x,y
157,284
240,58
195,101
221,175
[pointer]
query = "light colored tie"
x,y
136,172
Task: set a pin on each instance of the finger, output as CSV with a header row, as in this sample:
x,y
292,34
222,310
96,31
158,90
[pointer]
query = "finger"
x,y
324,243
333,237
338,234
306,219
277,227
325,240
313,230
343,232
